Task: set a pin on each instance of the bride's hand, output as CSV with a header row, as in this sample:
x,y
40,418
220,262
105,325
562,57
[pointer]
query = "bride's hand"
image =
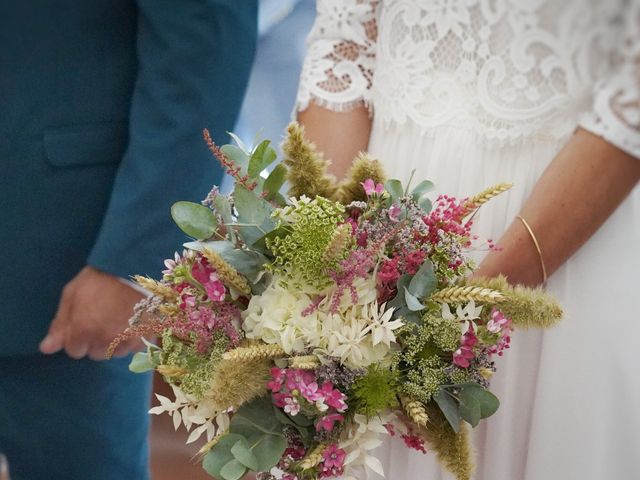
x,y
579,190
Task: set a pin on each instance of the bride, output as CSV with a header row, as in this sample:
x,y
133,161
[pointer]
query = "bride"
x,y
544,94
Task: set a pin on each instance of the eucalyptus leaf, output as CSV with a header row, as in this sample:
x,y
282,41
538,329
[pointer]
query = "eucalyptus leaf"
x,y
275,180
242,452
197,221
141,362
423,187
398,301
268,450
238,156
424,282
413,303
233,470
425,204
408,316
223,208
449,408
220,455
486,400
239,141
259,414
261,158
394,187
469,407
254,213
299,422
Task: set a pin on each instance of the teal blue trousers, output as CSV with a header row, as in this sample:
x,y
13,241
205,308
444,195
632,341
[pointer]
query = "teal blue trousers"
x,y
64,419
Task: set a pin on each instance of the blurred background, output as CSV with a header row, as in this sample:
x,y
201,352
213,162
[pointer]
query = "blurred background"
x,y
269,102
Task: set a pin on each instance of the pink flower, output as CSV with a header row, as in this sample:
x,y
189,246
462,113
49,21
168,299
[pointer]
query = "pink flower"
x,y
462,356
215,289
388,271
333,456
289,476
498,321
277,379
414,442
394,212
414,261
310,391
465,353
280,399
291,406
332,397
326,422
296,378
371,188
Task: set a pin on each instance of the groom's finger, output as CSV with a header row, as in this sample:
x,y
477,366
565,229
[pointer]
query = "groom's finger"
x,y
54,340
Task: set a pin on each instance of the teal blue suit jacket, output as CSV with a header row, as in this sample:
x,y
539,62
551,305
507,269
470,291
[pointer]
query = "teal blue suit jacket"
x,y
102,104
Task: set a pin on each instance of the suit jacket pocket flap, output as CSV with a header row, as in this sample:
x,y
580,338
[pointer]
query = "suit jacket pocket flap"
x,y
95,144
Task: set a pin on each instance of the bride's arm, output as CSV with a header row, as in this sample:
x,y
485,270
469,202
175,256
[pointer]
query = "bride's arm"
x,y
583,185
586,182
339,135
335,84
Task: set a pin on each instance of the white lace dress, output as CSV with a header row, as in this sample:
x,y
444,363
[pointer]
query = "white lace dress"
x,y
473,92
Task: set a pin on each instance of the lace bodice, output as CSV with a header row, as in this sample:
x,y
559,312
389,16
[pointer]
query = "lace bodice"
x,y
507,69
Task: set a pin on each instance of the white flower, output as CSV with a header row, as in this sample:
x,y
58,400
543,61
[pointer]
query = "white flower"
x,y
186,410
466,315
350,344
362,437
382,326
275,317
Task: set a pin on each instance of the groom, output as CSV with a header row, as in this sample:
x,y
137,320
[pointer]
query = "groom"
x,y
101,107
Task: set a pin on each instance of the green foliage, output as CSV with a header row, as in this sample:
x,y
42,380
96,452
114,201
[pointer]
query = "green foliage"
x,y
200,367
468,401
254,214
261,157
254,442
300,251
194,219
142,362
413,288
395,189
423,380
375,391
273,183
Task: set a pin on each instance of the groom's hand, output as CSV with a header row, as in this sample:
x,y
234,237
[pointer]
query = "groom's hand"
x,y
93,309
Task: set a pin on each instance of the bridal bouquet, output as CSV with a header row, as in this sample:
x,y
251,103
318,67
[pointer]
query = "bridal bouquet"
x,y
299,332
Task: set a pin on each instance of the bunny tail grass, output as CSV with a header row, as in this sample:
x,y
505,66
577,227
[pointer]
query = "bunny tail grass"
x,y
236,383
526,307
453,450
307,174
363,168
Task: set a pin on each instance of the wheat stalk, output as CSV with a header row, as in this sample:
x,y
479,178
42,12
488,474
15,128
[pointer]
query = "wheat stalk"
x,y
226,272
415,410
483,197
254,352
313,459
305,362
466,294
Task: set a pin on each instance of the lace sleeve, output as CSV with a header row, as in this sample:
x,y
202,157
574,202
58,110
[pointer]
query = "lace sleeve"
x,y
616,111
339,65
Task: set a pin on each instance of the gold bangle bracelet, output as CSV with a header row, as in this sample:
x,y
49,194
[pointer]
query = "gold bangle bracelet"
x,y
539,250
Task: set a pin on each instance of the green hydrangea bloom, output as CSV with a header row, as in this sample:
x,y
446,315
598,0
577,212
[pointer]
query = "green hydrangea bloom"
x,y
300,254
177,353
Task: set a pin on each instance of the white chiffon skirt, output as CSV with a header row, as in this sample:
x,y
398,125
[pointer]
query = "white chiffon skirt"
x,y
570,396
